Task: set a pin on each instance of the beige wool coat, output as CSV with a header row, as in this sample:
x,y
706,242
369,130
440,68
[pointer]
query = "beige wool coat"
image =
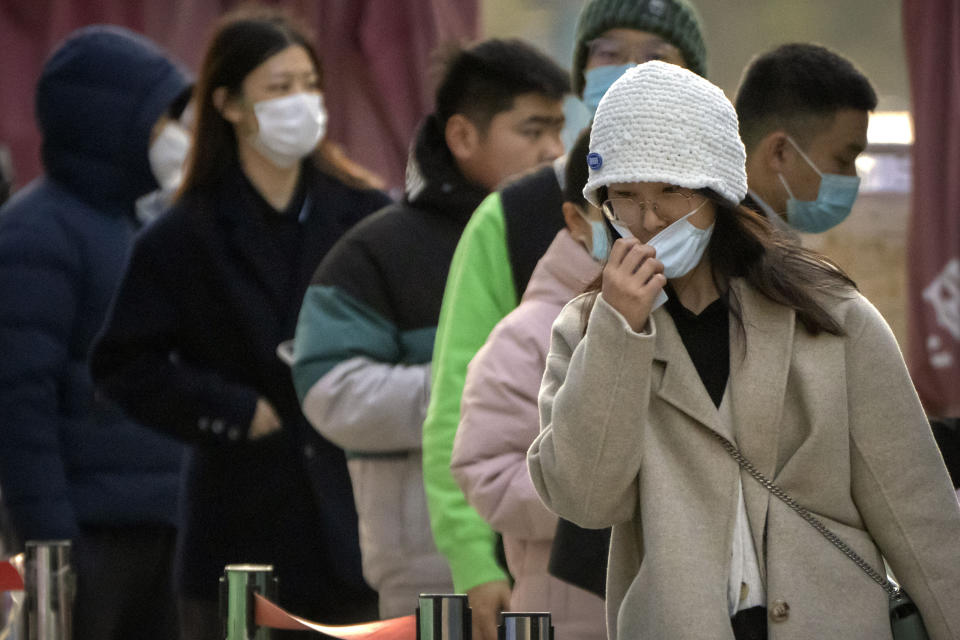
x,y
625,441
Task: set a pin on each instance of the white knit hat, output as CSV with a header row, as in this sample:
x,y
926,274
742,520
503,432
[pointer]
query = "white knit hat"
x,y
662,123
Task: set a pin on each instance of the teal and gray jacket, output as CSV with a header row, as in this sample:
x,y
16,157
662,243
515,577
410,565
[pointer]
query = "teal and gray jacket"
x,y
362,353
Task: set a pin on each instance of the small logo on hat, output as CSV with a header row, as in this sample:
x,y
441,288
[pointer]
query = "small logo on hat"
x,y
594,161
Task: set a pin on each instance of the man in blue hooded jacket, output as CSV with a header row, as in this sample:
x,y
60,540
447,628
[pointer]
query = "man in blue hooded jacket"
x,y
71,465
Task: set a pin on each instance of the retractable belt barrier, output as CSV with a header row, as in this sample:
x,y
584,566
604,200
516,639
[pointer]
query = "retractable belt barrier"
x,y
12,596
525,626
43,578
249,614
51,586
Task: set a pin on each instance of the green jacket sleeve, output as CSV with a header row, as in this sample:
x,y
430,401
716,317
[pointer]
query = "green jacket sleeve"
x,y
479,293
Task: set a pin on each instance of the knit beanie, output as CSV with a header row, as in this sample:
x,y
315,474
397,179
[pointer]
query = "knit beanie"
x,y
675,21
662,123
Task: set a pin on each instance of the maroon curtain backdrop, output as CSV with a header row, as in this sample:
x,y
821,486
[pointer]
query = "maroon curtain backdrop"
x,y
376,55
932,35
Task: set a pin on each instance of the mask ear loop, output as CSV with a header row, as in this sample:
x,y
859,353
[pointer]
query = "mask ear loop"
x,y
783,181
804,155
698,207
583,216
806,159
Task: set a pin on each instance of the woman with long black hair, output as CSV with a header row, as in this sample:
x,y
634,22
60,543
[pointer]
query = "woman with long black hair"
x,y
211,289
710,337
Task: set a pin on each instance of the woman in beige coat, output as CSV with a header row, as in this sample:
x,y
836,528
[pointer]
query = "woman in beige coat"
x,y
761,344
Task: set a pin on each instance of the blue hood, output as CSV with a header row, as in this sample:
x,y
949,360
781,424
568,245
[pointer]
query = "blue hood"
x,y
98,97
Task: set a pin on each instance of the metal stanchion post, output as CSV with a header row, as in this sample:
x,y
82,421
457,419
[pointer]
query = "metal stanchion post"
x,y
13,622
525,626
50,584
237,609
443,617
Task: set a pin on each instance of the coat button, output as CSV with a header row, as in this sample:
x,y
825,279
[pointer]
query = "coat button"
x,y
203,424
233,433
309,451
217,426
779,611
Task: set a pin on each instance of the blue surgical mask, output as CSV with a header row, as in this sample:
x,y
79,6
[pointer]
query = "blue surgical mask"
x,y
600,241
598,80
834,201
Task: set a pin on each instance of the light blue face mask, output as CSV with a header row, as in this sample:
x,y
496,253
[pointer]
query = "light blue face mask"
x,y
600,241
599,238
834,201
598,80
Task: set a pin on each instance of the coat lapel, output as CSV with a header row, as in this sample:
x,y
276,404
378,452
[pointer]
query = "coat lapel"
x,y
248,237
759,366
680,385
756,388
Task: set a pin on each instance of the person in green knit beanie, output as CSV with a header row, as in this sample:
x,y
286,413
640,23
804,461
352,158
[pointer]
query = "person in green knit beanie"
x,y
614,35
506,236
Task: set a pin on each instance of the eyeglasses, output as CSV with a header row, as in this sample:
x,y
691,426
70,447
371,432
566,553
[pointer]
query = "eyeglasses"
x,y
670,206
610,51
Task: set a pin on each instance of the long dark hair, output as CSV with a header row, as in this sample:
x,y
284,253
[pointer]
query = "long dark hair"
x,y
746,245
242,41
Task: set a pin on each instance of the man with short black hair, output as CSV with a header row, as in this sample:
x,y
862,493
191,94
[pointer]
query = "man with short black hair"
x,y
365,335
500,106
803,113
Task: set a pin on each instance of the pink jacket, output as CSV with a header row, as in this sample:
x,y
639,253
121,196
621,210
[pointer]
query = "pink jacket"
x,y
499,421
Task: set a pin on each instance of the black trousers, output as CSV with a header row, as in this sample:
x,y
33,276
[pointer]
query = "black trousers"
x,y
750,624
124,583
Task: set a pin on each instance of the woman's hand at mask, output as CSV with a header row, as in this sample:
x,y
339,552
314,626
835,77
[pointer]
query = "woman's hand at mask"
x,y
632,280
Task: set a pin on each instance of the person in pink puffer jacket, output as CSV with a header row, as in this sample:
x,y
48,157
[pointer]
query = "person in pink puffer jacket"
x,y
500,419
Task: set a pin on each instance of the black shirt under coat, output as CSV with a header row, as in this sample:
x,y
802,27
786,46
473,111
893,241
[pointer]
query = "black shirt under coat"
x,y
706,336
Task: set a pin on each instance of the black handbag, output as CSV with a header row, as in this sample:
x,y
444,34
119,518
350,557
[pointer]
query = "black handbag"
x,y
906,623
578,556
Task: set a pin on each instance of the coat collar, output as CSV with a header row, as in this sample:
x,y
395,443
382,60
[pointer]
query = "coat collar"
x,y
241,209
760,358
433,181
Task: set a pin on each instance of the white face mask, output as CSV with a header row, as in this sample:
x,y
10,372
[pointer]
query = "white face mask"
x,y
167,155
290,127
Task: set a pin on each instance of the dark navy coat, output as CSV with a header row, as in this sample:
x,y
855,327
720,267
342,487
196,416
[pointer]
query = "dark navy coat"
x,y
68,457
191,345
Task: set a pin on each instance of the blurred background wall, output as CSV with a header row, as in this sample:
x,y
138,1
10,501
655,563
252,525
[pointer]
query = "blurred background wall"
x,y
378,85
867,31
376,53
